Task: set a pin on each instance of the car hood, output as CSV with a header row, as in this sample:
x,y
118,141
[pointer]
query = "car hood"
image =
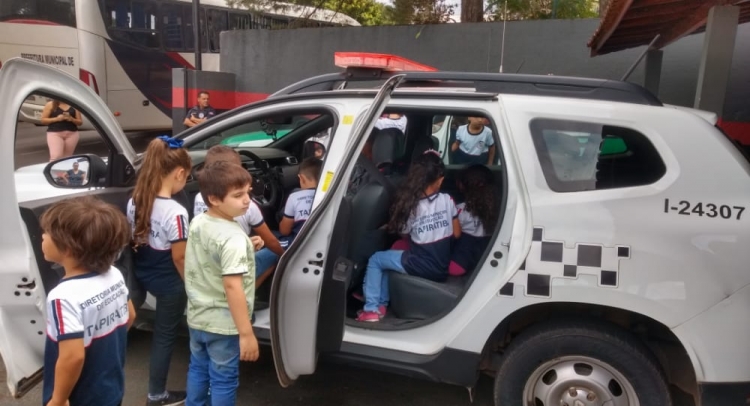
x,y
32,185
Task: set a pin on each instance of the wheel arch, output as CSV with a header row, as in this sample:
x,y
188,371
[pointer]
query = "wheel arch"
x,y
667,348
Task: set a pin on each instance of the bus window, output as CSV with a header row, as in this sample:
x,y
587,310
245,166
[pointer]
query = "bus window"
x,y
217,22
172,21
55,11
133,22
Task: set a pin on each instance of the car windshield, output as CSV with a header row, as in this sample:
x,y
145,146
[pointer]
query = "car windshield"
x,y
255,133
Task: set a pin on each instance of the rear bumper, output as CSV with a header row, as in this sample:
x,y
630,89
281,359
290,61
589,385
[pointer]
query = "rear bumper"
x,y
724,394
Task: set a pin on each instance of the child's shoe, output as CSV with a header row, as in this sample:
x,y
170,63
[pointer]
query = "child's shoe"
x,y
172,398
369,317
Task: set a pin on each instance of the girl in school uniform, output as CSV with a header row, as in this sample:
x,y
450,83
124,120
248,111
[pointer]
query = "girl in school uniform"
x,y
160,231
429,219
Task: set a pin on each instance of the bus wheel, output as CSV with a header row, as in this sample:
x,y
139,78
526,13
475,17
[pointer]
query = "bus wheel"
x,y
579,364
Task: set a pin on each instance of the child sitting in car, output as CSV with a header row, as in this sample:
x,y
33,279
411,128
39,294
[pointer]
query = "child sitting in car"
x,y
478,215
428,217
299,204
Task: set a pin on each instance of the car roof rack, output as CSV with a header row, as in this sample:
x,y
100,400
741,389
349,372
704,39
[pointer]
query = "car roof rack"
x,y
360,68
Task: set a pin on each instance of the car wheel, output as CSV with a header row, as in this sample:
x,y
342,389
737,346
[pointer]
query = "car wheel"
x,y
579,364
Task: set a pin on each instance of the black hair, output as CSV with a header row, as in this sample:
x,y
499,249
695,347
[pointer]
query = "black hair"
x,y
424,171
482,200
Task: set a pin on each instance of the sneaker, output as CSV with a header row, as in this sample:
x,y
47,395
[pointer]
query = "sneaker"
x,y
369,317
173,398
381,311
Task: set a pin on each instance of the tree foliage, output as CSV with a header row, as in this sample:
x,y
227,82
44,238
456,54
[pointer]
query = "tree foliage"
x,y
543,9
422,11
366,12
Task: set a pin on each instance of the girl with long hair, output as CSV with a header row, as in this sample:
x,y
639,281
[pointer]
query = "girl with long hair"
x,y
478,216
160,231
62,121
428,218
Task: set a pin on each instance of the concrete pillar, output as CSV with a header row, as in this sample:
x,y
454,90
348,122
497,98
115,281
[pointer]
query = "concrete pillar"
x,y
653,70
716,60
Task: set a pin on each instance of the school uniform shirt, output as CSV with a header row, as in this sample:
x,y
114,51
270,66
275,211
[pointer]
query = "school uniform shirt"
x,y
154,266
93,307
474,144
473,241
216,248
298,207
430,229
248,221
385,122
198,112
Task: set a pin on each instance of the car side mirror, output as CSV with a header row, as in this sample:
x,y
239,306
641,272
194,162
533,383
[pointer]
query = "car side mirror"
x,y
77,171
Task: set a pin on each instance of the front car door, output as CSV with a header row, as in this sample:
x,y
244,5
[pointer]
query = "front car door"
x,y
25,277
300,274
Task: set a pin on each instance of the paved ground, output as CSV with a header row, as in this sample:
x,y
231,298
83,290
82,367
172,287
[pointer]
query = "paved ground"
x,y
332,385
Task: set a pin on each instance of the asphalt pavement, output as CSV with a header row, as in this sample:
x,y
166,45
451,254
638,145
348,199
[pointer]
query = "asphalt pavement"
x,y
332,385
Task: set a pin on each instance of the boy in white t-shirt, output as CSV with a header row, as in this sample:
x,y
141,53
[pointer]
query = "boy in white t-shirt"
x,y
89,311
474,143
299,203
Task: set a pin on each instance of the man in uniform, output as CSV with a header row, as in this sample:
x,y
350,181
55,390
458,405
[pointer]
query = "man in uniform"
x,y
201,112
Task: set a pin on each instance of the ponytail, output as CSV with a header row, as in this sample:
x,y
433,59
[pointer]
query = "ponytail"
x,y
162,156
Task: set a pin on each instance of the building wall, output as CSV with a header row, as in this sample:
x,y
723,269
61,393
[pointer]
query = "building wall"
x,y
265,61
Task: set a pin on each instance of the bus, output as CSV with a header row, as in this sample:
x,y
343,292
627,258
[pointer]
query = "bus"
x,y
125,50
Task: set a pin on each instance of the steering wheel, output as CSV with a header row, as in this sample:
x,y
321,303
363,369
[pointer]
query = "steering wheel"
x,y
267,184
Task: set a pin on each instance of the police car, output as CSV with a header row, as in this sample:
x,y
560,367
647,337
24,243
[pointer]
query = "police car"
x,y
617,274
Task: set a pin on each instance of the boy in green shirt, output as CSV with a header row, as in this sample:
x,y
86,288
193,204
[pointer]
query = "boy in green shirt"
x,y
220,284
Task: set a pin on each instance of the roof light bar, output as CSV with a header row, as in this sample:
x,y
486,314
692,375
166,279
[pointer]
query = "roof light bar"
x,y
385,62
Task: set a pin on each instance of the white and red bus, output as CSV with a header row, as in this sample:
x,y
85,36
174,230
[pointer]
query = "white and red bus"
x,y
126,49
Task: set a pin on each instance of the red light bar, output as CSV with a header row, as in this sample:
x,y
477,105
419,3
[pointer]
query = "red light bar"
x,y
378,61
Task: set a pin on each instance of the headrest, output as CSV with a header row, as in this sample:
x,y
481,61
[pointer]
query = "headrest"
x,y
386,145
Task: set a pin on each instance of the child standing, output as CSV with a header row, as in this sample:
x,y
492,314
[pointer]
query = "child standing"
x,y
299,204
220,282
478,217
429,219
474,143
159,234
251,220
84,358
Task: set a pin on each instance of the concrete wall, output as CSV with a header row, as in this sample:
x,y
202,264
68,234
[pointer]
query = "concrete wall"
x,y
265,61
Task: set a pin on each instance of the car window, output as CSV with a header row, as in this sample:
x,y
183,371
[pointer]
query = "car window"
x,y
258,133
577,156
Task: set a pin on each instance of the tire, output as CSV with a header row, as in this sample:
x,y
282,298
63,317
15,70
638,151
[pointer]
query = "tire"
x,y
579,363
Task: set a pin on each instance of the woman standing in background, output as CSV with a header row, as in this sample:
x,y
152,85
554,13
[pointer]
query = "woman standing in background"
x,y
62,121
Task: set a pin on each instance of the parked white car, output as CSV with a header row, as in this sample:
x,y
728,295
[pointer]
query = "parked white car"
x,y
617,274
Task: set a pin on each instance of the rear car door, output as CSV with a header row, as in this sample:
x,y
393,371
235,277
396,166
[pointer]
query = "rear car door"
x,y
25,277
300,322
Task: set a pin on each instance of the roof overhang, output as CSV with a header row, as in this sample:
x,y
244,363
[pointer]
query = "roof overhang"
x,y
633,23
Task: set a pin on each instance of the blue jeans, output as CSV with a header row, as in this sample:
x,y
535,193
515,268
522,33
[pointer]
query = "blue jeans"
x,y
264,259
170,309
376,281
214,365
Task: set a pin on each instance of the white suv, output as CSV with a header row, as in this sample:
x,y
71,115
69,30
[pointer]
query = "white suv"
x,y
617,274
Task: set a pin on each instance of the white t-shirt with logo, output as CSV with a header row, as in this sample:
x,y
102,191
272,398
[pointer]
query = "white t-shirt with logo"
x,y
298,207
474,144
251,219
470,224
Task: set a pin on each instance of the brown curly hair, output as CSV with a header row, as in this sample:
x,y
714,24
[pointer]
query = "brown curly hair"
x,y
482,199
424,171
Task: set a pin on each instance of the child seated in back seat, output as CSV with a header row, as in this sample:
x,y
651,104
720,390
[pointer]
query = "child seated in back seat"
x,y
429,219
478,215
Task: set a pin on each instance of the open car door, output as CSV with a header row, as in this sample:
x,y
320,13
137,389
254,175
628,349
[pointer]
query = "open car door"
x,y
296,302
25,277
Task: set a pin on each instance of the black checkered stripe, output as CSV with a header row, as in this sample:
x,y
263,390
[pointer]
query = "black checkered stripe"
x,y
549,260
